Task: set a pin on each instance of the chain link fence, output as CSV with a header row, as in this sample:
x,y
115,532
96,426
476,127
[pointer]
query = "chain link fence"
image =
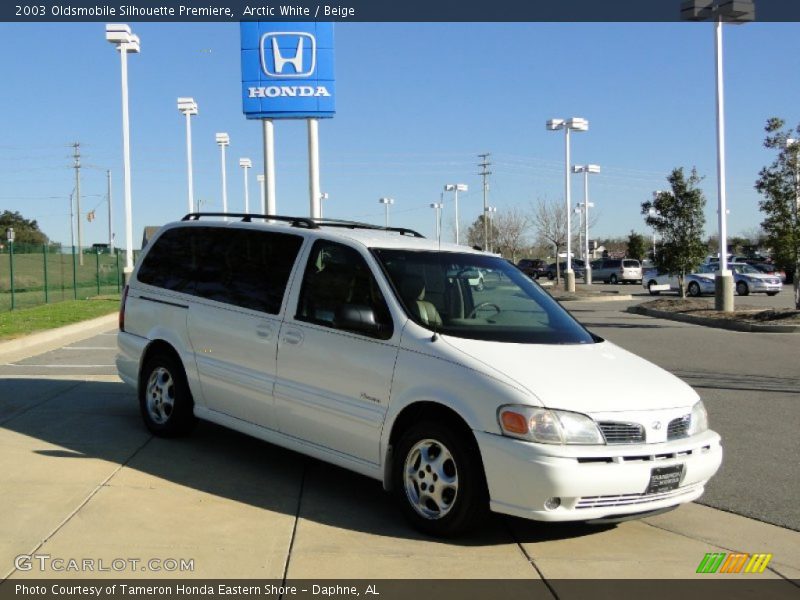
x,y
41,274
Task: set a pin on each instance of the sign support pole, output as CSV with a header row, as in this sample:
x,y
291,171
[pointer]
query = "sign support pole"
x,y
313,167
269,164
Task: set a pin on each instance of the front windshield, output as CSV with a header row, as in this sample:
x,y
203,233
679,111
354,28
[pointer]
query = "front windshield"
x,y
746,269
477,296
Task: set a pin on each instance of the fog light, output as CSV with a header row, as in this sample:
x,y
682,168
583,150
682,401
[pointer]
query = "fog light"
x,y
552,503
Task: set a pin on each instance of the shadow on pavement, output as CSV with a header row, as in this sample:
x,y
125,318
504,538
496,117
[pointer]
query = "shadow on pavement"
x,y
100,420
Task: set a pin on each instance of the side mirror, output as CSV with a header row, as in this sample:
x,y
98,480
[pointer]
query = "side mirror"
x,y
357,318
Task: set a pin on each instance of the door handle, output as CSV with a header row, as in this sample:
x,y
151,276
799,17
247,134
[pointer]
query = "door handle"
x,y
293,337
265,330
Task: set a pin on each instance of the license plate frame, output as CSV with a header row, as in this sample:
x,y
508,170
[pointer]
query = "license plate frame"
x,y
665,479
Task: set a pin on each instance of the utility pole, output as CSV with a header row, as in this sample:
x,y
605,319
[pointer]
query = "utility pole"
x,y
110,215
77,166
485,164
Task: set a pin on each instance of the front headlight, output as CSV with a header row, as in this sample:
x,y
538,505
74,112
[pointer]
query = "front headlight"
x,y
548,426
699,422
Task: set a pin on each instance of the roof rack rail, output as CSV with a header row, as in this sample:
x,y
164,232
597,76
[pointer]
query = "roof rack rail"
x,y
359,225
248,217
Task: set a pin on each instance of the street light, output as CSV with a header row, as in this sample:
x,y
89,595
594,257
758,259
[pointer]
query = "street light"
x,y
322,196
126,42
246,163
653,213
223,140
10,238
576,124
455,188
260,180
721,11
586,205
189,107
437,206
490,210
386,202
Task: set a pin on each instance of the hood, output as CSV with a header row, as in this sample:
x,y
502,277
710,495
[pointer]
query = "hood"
x,y
586,378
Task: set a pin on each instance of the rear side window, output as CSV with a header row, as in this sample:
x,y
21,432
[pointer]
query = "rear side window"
x,y
244,268
631,264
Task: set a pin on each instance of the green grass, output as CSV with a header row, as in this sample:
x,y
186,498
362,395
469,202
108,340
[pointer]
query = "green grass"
x,y
21,322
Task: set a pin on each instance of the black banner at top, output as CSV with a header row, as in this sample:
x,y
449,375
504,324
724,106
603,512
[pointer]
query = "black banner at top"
x,y
374,10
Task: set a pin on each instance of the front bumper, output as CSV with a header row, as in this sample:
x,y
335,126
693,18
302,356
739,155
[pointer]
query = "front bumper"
x,y
592,482
764,287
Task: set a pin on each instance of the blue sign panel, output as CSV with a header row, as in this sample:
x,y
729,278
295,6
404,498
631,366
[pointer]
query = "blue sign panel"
x,y
287,70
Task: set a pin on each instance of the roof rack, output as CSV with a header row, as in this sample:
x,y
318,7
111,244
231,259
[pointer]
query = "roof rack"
x,y
248,217
360,225
305,222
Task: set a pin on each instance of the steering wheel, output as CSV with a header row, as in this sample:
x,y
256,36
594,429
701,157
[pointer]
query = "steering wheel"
x,y
475,310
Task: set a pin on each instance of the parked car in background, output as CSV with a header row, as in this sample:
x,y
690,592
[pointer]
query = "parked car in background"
x,y
749,280
698,283
770,269
533,267
617,270
577,267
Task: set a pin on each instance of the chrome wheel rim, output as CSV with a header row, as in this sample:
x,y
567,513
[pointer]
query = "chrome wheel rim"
x,y
431,479
160,395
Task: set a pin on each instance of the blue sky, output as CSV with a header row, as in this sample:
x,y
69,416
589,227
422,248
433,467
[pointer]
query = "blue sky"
x,y
416,103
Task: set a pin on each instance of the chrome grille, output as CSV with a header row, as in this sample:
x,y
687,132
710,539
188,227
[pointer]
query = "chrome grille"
x,y
679,428
622,433
632,499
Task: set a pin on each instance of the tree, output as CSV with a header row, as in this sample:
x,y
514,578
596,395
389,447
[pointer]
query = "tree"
x,y
550,221
779,184
25,232
510,232
637,246
678,218
475,233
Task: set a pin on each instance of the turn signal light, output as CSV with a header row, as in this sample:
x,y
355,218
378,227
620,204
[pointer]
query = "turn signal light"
x,y
514,422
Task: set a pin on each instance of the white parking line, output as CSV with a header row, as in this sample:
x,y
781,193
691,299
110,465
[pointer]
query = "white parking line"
x,y
59,366
89,348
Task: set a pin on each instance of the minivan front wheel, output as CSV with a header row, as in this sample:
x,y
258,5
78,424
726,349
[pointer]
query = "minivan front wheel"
x,y
164,398
439,480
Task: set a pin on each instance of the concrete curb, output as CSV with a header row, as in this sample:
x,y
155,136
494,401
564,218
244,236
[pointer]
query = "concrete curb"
x,y
43,341
728,324
604,298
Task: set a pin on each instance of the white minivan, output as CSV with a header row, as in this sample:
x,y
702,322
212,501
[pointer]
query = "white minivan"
x,y
369,348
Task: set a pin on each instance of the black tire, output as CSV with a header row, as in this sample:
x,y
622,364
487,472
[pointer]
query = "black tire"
x,y
693,289
650,289
742,289
470,500
551,275
613,280
772,293
165,400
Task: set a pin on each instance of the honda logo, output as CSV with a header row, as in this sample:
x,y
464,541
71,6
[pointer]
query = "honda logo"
x,y
288,54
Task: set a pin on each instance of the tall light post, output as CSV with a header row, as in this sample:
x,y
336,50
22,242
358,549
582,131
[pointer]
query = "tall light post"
x,y
223,140
490,211
126,42
10,240
322,196
437,206
386,203
260,179
586,205
246,164
573,124
455,188
188,107
653,212
721,11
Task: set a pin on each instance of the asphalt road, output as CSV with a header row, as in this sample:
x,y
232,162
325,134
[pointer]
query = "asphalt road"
x,y
750,383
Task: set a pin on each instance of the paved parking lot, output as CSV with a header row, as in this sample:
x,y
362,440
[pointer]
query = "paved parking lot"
x,y
81,477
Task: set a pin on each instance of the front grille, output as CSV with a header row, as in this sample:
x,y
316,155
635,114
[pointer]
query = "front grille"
x,y
631,499
679,428
622,433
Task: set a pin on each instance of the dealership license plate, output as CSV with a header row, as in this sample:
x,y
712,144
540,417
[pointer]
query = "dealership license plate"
x,y
664,479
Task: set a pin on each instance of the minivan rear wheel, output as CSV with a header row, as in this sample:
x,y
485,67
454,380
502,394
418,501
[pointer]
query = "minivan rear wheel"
x,y
439,480
613,280
164,398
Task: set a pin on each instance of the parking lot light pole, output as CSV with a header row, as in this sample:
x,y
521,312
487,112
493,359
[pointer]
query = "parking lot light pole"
x,y
10,239
455,188
386,203
653,212
490,211
125,41
586,170
224,140
735,12
437,206
573,124
188,107
246,163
